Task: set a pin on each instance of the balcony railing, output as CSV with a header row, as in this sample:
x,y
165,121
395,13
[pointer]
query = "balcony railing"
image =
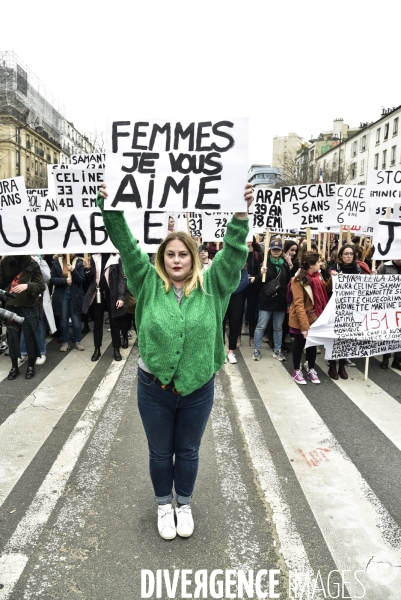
x,y
28,145
39,152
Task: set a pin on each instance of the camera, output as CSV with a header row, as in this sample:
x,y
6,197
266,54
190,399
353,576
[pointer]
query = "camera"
x,y
10,319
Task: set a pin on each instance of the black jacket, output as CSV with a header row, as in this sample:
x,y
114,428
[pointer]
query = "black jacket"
x,y
60,284
116,286
278,302
31,274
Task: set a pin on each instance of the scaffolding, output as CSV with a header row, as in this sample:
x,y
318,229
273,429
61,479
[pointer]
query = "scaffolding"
x,y
24,96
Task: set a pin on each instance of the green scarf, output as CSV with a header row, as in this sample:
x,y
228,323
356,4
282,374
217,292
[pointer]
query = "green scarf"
x,y
277,262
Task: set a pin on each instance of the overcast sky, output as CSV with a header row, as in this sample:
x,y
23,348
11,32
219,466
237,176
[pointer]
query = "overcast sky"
x,y
288,66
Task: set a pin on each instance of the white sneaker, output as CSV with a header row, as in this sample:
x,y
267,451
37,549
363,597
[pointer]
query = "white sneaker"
x,y
185,522
165,522
79,346
41,360
64,347
231,358
23,359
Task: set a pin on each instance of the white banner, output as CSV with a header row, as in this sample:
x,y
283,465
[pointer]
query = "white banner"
x,y
387,239
37,198
311,205
88,161
13,196
182,223
352,205
176,166
384,188
80,231
76,189
267,210
362,318
214,226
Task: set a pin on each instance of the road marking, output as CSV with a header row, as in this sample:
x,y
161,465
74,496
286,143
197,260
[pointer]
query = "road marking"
x,y
27,428
15,557
359,532
291,545
372,400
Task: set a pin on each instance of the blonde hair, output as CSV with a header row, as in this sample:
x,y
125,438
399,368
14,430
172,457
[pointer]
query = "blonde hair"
x,y
195,275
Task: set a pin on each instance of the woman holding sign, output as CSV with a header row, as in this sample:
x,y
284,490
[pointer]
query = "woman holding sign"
x,y
179,312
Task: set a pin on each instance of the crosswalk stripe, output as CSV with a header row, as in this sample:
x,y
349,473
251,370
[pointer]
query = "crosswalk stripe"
x,y
13,561
25,430
347,511
382,410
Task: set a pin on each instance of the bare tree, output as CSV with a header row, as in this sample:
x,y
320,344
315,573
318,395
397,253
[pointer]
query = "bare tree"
x,y
297,170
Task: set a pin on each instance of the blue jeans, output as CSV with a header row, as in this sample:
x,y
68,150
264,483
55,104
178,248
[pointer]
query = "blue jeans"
x,y
278,319
41,335
66,312
174,426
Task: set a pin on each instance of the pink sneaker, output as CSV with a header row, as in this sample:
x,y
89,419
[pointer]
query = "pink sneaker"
x,y
312,375
298,377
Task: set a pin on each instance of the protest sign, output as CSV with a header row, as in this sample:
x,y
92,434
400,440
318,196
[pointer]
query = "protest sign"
x,y
13,196
362,318
77,189
308,205
387,239
214,226
384,188
352,205
267,210
35,198
176,166
88,161
189,222
79,232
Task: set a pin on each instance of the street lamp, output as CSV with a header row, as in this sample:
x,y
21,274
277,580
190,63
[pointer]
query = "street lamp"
x,y
335,138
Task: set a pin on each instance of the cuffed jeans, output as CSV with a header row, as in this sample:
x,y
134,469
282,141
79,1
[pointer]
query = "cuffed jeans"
x,y
278,319
66,312
174,426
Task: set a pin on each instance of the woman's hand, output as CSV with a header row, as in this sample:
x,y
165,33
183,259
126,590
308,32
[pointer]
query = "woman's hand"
x,y
119,303
305,334
287,258
22,287
102,191
70,268
86,264
374,271
263,269
252,280
333,272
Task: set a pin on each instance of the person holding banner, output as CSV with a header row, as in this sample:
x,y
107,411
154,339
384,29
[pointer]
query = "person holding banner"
x,y
310,297
22,277
67,276
179,315
391,267
204,256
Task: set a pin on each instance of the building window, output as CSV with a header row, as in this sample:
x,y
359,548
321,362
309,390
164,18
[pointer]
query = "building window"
x,y
378,135
384,159
28,142
17,158
363,143
36,167
27,165
40,169
353,149
386,128
393,153
28,182
361,172
353,170
395,126
376,161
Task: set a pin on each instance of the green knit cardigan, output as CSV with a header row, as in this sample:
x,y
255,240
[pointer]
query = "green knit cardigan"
x,y
182,342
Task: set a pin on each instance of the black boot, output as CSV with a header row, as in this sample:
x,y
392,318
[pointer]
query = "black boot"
x,y
117,355
396,363
333,369
85,329
125,342
384,363
13,373
30,372
96,355
341,369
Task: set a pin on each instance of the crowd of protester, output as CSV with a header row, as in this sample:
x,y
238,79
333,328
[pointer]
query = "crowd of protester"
x,y
274,306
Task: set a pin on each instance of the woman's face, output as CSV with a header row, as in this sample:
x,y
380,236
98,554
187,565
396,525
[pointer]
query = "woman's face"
x,y
178,261
171,224
347,256
292,251
204,256
276,252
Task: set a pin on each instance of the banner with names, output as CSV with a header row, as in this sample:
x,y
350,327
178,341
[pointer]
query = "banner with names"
x,y
384,188
352,205
77,189
176,166
267,209
311,205
13,196
214,226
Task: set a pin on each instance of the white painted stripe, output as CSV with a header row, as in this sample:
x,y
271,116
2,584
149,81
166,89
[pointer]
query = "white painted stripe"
x,y
291,545
372,400
13,562
358,530
25,430
244,551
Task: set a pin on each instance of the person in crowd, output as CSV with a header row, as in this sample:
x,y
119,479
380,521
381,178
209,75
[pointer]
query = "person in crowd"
x,y
21,276
179,313
204,257
106,292
310,297
391,267
359,256
171,224
275,305
67,279
212,249
45,316
345,263
290,251
234,316
251,292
